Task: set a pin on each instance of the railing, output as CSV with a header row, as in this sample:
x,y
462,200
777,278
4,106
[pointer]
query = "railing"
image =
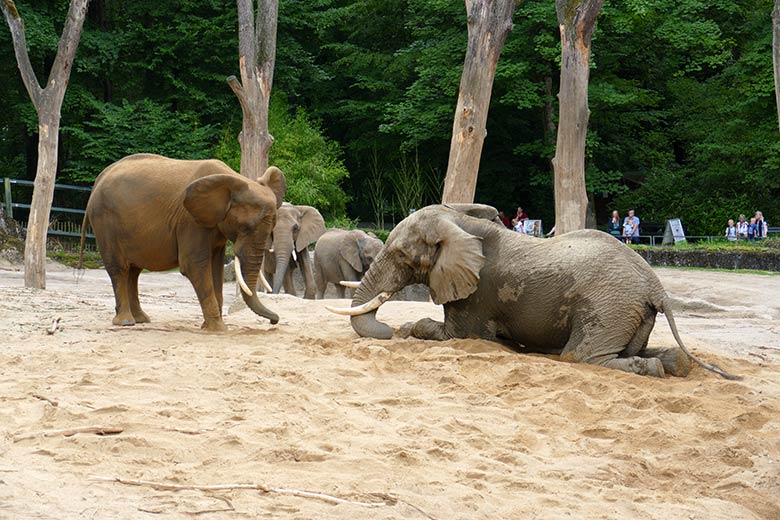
x,y
61,228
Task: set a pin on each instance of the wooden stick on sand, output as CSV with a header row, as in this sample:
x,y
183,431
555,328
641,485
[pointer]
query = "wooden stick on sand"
x,y
69,432
386,500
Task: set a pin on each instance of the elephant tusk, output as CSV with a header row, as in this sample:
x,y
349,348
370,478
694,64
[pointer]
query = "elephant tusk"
x,y
369,306
240,278
266,285
295,256
350,283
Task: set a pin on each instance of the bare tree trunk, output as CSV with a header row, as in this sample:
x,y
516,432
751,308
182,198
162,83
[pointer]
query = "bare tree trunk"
x,y
256,59
489,23
576,20
48,104
776,54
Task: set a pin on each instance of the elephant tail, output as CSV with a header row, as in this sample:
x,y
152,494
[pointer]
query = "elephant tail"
x,y
666,309
84,224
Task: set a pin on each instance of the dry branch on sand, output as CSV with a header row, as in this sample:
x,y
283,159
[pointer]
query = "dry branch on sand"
x,y
384,499
69,432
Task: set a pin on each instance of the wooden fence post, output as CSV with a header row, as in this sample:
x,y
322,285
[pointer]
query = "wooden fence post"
x,y
9,208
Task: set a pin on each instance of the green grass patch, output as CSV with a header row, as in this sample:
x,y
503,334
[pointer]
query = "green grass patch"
x,y
767,245
715,270
92,259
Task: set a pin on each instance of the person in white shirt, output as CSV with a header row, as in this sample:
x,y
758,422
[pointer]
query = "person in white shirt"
x,y
731,231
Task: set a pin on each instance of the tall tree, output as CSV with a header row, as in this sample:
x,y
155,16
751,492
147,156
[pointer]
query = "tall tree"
x,y
489,23
48,103
576,20
256,59
776,54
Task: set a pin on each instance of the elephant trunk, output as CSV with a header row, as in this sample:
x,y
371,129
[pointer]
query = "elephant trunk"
x,y
371,286
248,265
282,255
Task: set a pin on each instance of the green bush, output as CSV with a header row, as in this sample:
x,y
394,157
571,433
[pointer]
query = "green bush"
x,y
311,162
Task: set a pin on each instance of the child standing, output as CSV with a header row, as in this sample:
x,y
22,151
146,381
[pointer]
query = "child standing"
x,y
752,229
731,231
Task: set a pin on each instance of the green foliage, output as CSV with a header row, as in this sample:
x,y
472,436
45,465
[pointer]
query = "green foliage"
x,y
92,259
142,127
312,163
682,124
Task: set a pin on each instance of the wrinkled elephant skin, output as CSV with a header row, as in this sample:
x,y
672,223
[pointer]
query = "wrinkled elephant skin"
x,y
583,295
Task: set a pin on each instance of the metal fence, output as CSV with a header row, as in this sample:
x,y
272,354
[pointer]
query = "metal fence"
x,y
56,227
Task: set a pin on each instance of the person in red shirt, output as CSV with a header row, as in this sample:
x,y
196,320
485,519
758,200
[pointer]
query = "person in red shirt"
x,y
521,215
504,219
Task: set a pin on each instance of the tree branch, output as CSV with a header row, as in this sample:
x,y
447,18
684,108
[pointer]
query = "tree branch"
x,y
387,501
246,39
16,25
69,42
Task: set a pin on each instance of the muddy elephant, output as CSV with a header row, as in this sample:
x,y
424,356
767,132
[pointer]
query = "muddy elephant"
x,y
296,228
151,212
582,295
343,255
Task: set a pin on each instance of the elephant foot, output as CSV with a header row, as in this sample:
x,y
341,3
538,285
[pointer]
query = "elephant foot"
x,y
214,326
141,317
637,365
674,360
405,330
427,328
124,321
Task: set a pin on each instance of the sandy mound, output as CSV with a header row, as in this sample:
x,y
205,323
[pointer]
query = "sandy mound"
x,y
462,429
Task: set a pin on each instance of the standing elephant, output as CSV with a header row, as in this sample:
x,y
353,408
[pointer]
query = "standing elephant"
x,y
343,255
296,228
582,295
151,212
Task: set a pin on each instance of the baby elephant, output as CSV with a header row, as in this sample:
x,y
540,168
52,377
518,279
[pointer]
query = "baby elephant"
x,y
343,255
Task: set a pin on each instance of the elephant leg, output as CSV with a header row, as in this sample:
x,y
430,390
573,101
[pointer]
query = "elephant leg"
x,y
289,284
635,364
304,261
195,264
132,291
603,349
674,360
218,274
321,282
120,282
425,328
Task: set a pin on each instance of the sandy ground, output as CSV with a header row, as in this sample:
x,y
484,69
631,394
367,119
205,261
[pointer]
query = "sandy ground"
x,y
461,429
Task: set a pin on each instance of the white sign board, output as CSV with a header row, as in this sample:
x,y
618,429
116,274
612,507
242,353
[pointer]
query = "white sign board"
x,y
533,228
674,232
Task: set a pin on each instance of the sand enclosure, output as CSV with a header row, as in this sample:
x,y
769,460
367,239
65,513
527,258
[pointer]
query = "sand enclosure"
x,y
462,429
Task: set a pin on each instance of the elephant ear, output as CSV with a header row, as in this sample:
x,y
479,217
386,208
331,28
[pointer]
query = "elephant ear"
x,y
475,210
276,181
208,198
455,273
311,227
350,250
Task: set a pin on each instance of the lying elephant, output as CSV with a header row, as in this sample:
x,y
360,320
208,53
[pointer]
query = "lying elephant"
x,y
296,227
343,255
151,212
582,295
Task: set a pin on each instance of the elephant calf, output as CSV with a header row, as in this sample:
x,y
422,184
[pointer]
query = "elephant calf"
x,y
582,295
343,255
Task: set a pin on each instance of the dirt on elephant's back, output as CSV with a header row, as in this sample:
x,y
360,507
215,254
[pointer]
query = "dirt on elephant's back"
x,y
459,429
